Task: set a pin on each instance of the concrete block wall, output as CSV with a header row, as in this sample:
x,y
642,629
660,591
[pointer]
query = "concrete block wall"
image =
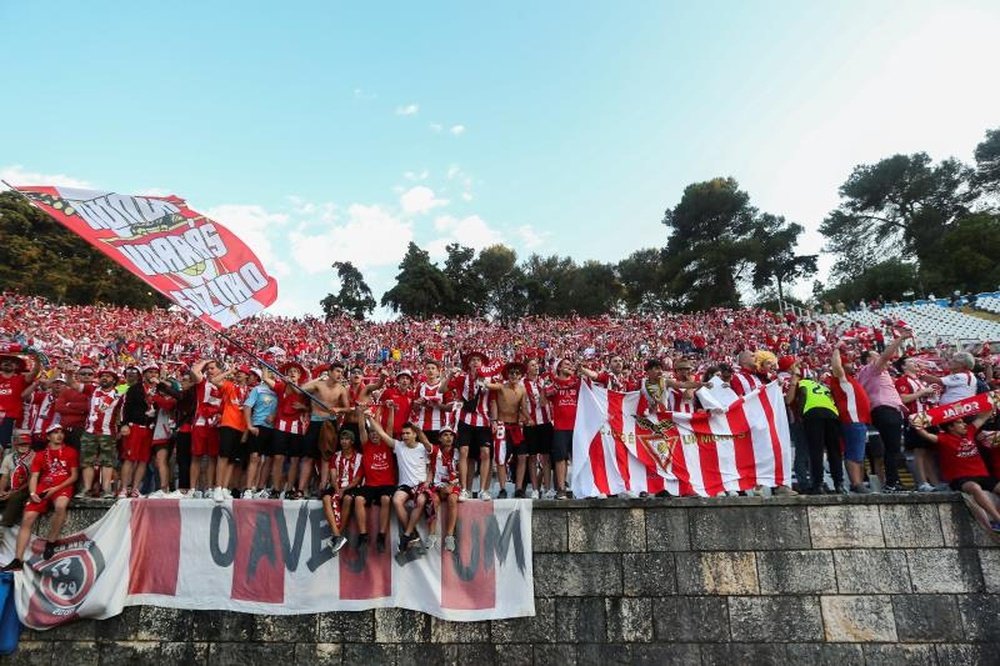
x,y
838,580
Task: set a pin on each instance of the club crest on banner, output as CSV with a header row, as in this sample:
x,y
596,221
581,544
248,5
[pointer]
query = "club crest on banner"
x,y
659,441
64,581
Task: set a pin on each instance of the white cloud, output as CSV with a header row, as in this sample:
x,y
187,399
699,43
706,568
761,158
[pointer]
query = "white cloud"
x,y
371,236
407,110
470,231
360,93
530,238
16,174
420,199
436,127
416,175
326,211
466,196
253,224
457,130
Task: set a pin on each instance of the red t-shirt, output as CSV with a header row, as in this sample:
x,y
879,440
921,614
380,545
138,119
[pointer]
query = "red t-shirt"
x,y
379,464
403,402
54,465
11,389
959,456
563,396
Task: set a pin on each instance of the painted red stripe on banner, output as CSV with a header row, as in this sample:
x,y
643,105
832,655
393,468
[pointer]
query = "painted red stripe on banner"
x,y
746,462
597,466
679,467
711,473
156,547
367,574
468,575
258,569
616,421
779,474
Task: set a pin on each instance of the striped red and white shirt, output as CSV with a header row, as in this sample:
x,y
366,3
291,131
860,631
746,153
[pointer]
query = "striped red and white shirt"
x,y
209,406
744,382
432,415
469,388
678,402
851,400
104,407
345,467
42,413
445,468
538,407
289,417
907,385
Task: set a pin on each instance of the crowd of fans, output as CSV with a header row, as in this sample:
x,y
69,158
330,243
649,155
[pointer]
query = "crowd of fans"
x,y
408,415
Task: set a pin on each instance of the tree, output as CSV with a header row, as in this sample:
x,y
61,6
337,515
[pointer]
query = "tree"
x,y
421,287
354,298
891,279
547,284
641,275
971,248
595,289
503,282
776,262
988,163
897,207
40,257
710,246
466,284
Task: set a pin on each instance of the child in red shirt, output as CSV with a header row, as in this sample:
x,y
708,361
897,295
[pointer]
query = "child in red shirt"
x,y
963,467
54,471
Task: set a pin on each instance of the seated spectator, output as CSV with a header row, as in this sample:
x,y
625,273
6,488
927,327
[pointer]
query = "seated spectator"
x,y
14,474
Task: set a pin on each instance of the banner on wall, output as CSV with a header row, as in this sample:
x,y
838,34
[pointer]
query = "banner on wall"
x,y
269,557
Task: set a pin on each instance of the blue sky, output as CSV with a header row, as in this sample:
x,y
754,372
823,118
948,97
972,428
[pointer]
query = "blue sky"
x,y
322,131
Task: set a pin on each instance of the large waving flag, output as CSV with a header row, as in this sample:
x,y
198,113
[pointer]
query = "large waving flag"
x,y
620,445
195,262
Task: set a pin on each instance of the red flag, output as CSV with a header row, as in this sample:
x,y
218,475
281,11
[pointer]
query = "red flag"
x,y
977,404
195,262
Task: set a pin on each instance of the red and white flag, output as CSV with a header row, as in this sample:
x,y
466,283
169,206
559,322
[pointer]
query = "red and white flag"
x,y
622,446
195,262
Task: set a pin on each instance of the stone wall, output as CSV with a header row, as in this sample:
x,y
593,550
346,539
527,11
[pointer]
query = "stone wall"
x,y
829,580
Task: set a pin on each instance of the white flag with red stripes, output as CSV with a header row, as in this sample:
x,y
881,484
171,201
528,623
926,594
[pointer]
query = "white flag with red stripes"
x,y
621,446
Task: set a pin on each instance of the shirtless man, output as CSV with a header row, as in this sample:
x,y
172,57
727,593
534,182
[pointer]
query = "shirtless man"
x,y
508,412
359,393
331,401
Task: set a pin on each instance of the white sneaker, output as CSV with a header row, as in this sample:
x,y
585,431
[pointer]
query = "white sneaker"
x,y
218,496
449,544
263,493
227,493
178,494
248,494
431,541
925,488
533,494
156,494
549,494
463,496
485,496
197,494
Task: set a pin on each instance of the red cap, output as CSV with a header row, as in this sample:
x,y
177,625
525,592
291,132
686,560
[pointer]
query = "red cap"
x,y
786,362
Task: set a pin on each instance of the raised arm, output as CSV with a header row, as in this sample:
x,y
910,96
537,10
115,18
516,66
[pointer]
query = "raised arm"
x,y
886,357
836,365
196,371
377,427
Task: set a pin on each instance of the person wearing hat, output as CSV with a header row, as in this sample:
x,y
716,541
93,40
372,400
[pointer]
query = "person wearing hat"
x,y
54,472
430,411
359,393
97,443
15,385
72,405
289,426
475,436
345,474
445,487
14,473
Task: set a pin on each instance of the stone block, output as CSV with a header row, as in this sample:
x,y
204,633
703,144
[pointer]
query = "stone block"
x,y
826,654
957,526
475,654
443,631
538,629
728,654
968,654
381,654
126,653
946,570
318,654
858,619
248,654
421,655
989,564
285,628
560,653
778,618
78,630
33,653
667,529
846,526
578,574
222,627
346,627
603,654
871,571
680,654
911,525
195,654
579,619
927,618
119,627
716,573
749,528
549,531
84,653
649,574
629,619
162,624
607,531
980,616
796,572
400,625
899,655
690,619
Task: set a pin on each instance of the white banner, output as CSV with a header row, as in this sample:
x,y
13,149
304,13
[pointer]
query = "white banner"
x,y
268,557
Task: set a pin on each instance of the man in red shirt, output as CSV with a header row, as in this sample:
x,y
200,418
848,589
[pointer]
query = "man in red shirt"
x,y
913,392
15,386
379,471
54,471
963,467
854,411
562,394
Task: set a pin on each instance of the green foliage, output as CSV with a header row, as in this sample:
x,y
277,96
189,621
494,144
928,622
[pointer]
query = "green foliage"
x,y
40,257
643,280
966,257
468,290
776,262
890,279
354,298
988,163
421,287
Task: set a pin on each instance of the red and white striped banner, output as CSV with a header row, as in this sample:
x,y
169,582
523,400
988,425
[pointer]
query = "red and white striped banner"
x,y
270,557
618,450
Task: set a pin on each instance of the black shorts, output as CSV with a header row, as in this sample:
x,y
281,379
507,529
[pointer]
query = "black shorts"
x,y
874,447
911,440
308,444
261,442
538,439
562,445
475,436
229,442
374,494
985,482
410,492
282,443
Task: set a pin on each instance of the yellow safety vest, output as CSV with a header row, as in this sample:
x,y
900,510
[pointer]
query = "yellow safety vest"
x,y
816,395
